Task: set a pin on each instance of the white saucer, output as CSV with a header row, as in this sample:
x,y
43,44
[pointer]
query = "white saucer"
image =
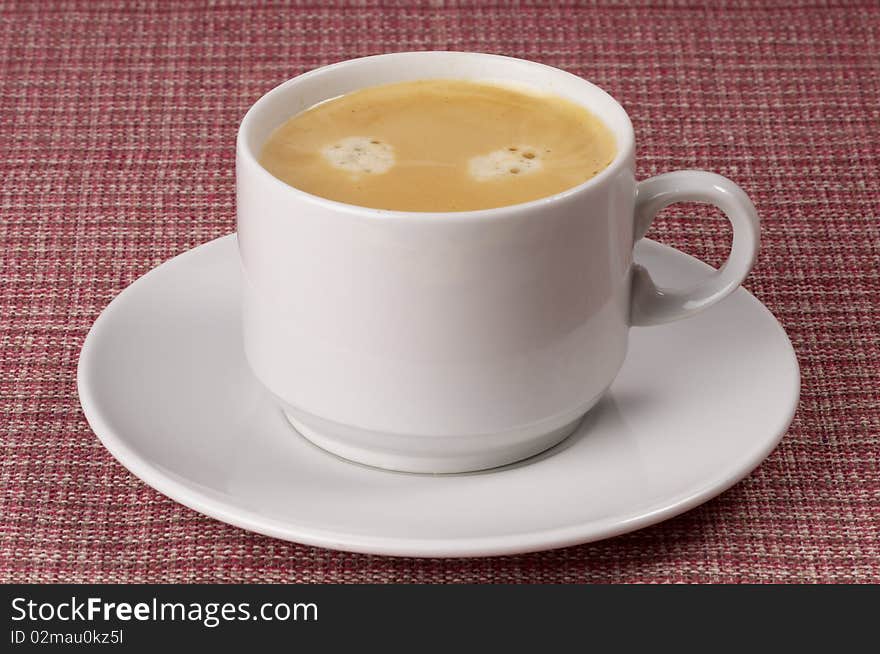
x,y
164,384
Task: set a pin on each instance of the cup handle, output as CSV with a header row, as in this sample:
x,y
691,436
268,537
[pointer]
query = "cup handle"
x,y
652,305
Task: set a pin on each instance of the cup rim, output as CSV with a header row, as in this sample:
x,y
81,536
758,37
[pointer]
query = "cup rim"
x,y
626,147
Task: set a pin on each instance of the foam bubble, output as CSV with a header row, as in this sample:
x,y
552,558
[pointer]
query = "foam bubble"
x,y
512,161
360,155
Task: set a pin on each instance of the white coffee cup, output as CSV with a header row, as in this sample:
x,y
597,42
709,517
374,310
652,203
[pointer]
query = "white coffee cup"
x,y
448,342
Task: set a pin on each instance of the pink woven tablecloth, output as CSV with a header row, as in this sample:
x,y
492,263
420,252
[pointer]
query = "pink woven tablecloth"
x,y
117,127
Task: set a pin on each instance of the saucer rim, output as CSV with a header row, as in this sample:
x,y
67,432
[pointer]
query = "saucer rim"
x,y
532,540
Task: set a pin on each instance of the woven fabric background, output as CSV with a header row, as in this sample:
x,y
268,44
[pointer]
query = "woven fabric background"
x,y
117,127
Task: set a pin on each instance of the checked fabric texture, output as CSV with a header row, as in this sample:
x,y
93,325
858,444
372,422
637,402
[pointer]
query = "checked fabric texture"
x,y
117,127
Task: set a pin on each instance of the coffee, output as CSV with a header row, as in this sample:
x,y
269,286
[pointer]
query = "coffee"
x,y
439,145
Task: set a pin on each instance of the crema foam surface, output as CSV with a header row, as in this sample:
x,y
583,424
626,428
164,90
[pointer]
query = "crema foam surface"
x,y
439,145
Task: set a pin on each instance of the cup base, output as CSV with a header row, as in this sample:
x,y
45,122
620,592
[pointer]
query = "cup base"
x,y
425,454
